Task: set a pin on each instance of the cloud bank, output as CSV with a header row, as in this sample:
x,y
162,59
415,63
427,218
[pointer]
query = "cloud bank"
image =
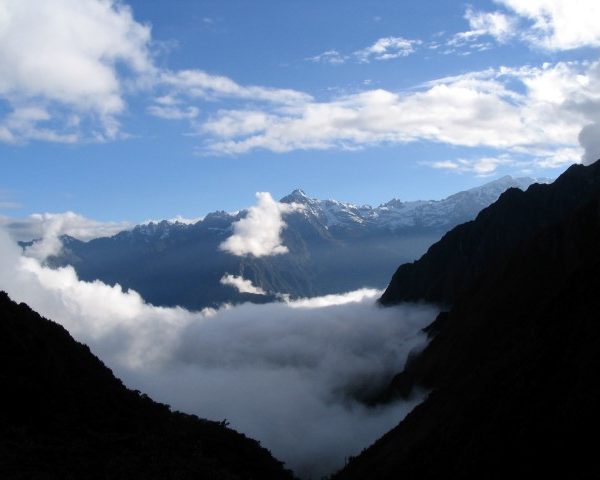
x,y
557,24
506,108
259,232
288,374
49,227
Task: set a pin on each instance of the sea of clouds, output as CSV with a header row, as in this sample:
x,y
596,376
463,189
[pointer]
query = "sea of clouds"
x,y
290,374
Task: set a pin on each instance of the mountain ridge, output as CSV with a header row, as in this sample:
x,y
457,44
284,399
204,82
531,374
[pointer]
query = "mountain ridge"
x,y
451,266
334,247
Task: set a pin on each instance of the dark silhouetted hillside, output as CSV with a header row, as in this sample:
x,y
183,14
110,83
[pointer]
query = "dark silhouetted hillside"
x,y
453,265
513,367
64,415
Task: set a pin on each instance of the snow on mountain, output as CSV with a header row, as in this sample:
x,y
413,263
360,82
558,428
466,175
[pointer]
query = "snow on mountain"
x,y
338,216
397,215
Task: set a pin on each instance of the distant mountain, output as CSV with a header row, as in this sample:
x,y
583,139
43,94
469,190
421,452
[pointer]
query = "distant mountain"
x,y
64,415
513,365
395,215
333,247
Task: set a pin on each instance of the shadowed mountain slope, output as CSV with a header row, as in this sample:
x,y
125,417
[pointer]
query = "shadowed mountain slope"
x,y
64,415
513,366
453,265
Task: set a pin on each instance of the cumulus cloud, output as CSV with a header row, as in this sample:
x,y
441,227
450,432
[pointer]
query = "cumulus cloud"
x,y
289,374
511,109
49,227
494,24
558,24
241,284
548,24
61,60
589,138
259,232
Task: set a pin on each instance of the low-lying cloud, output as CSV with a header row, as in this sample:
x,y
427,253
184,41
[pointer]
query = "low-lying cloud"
x,y
241,284
288,374
259,232
49,227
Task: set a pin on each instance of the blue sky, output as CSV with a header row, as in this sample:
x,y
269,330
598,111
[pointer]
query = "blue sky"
x,y
152,109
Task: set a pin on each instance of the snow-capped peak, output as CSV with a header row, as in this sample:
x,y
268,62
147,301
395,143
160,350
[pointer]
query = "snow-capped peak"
x,y
396,214
297,196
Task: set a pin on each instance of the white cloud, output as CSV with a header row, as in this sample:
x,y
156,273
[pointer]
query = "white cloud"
x,y
510,109
231,123
288,374
51,226
495,24
199,84
558,24
332,57
184,87
387,48
241,284
589,138
259,232
60,58
546,24
481,166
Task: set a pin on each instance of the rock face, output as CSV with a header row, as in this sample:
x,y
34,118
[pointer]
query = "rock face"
x,y
513,366
64,415
333,247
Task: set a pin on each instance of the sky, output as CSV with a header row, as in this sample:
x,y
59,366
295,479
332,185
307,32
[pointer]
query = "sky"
x,y
149,109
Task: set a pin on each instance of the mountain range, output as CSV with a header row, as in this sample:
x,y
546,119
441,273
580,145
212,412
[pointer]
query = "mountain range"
x,y
333,247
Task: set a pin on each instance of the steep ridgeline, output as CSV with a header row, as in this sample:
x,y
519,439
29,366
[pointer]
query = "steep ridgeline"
x,y
64,415
333,247
513,367
455,264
